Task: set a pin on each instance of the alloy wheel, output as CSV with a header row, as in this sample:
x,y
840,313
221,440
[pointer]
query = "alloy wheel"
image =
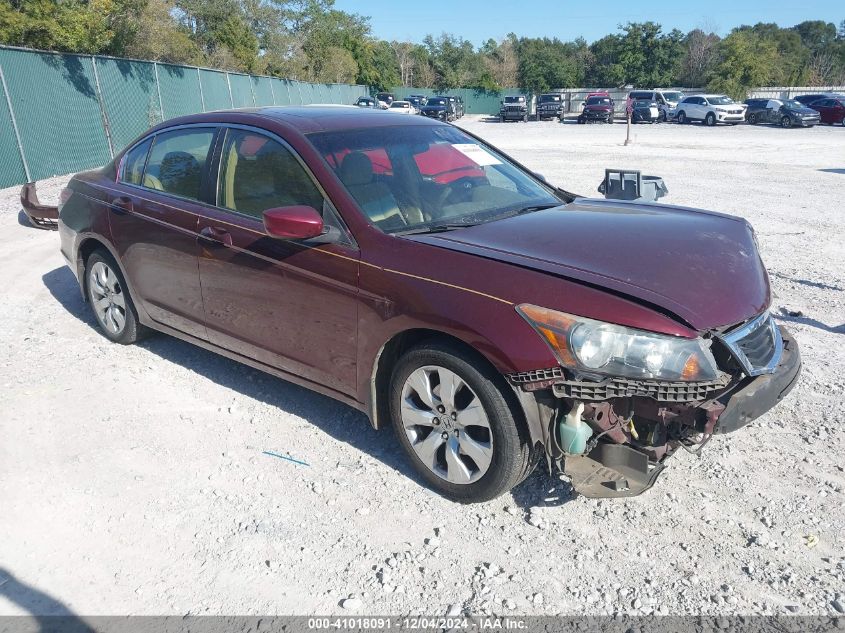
x,y
446,425
107,297
786,122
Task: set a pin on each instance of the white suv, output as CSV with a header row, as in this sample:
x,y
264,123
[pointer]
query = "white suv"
x,y
711,109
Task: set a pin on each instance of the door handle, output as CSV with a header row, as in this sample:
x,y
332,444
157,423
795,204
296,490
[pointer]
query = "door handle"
x,y
214,236
122,205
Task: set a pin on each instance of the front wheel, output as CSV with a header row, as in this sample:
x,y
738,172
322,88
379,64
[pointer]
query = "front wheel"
x,y
710,119
109,297
460,431
786,122
682,117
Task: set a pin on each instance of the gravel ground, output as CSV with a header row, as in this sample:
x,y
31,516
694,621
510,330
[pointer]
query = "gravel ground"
x,y
132,479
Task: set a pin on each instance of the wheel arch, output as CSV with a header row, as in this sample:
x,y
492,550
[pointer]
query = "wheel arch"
x,y
87,245
528,410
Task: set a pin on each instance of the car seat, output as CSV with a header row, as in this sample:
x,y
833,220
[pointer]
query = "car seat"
x,y
375,198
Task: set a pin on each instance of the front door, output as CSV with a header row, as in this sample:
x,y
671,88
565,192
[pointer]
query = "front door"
x,y
288,304
155,207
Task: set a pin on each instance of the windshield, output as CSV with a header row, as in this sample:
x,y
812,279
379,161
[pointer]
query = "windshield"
x,y
644,103
418,178
514,99
723,100
399,105
549,98
673,96
598,101
436,101
792,104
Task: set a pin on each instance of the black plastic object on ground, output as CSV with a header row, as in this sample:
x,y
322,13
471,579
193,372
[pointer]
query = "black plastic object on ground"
x,y
629,184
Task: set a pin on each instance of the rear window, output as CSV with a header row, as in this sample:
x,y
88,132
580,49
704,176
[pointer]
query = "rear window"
x,y
177,160
133,163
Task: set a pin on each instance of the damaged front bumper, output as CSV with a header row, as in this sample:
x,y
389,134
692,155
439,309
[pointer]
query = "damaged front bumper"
x,y
638,424
40,215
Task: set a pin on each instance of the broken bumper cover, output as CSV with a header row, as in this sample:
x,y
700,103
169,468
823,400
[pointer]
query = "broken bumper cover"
x,y
763,392
40,215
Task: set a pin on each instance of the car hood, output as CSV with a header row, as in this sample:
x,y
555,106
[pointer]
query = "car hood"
x,y
701,267
804,110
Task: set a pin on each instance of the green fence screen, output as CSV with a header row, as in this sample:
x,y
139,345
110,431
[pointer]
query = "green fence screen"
x,y
62,113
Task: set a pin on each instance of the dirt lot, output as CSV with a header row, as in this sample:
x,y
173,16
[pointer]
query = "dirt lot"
x,y
132,479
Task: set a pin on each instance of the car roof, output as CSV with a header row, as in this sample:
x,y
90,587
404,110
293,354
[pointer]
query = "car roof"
x,y
306,119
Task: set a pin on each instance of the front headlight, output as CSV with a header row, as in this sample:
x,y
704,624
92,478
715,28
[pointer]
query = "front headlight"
x,y
590,346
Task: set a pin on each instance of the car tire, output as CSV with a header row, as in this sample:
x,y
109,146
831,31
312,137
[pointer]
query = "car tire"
x,y
662,118
752,119
786,122
466,462
110,301
843,121
710,119
682,117
581,121
610,120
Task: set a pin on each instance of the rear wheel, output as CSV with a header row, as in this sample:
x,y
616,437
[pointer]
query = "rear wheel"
x,y
456,424
710,119
109,297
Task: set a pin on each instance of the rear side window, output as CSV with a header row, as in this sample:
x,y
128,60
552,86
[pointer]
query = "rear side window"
x,y
177,161
133,163
258,173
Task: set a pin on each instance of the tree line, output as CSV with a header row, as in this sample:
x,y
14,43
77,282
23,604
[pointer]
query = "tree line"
x,y
311,40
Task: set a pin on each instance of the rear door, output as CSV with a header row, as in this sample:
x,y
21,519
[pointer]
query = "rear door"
x,y
288,304
155,211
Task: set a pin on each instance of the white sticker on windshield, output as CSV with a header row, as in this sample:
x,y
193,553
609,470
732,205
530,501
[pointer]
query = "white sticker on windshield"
x,y
477,154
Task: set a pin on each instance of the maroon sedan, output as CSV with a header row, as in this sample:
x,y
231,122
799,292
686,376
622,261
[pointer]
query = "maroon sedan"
x,y
490,318
831,109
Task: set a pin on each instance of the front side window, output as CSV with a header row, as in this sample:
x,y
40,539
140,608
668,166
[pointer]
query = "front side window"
x,y
258,173
177,161
440,175
133,163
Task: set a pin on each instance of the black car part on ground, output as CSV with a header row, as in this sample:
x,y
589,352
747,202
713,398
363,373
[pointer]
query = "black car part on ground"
x,y
40,215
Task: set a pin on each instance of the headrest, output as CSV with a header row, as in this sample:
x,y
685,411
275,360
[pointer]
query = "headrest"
x,y
356,169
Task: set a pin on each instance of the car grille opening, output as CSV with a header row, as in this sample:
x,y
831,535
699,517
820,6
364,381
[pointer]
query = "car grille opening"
x,y
757,345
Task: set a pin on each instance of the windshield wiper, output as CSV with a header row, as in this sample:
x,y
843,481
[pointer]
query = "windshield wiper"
x,y
436,228
536,207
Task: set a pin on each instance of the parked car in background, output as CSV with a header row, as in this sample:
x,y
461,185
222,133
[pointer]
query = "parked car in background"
x,y
515,108
813,97
367,102
385,99
597,108
645,111
438,108
402,107
418,101
475,316
783,112
831,109
710,109
666,100
457,105
550,106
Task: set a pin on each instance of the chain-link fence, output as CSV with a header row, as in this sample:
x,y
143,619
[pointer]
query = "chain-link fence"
x,y
61,113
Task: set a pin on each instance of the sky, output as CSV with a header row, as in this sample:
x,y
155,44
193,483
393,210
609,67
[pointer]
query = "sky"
x,y
478,20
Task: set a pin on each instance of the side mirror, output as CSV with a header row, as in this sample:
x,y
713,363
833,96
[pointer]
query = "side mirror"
x,y
293,223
